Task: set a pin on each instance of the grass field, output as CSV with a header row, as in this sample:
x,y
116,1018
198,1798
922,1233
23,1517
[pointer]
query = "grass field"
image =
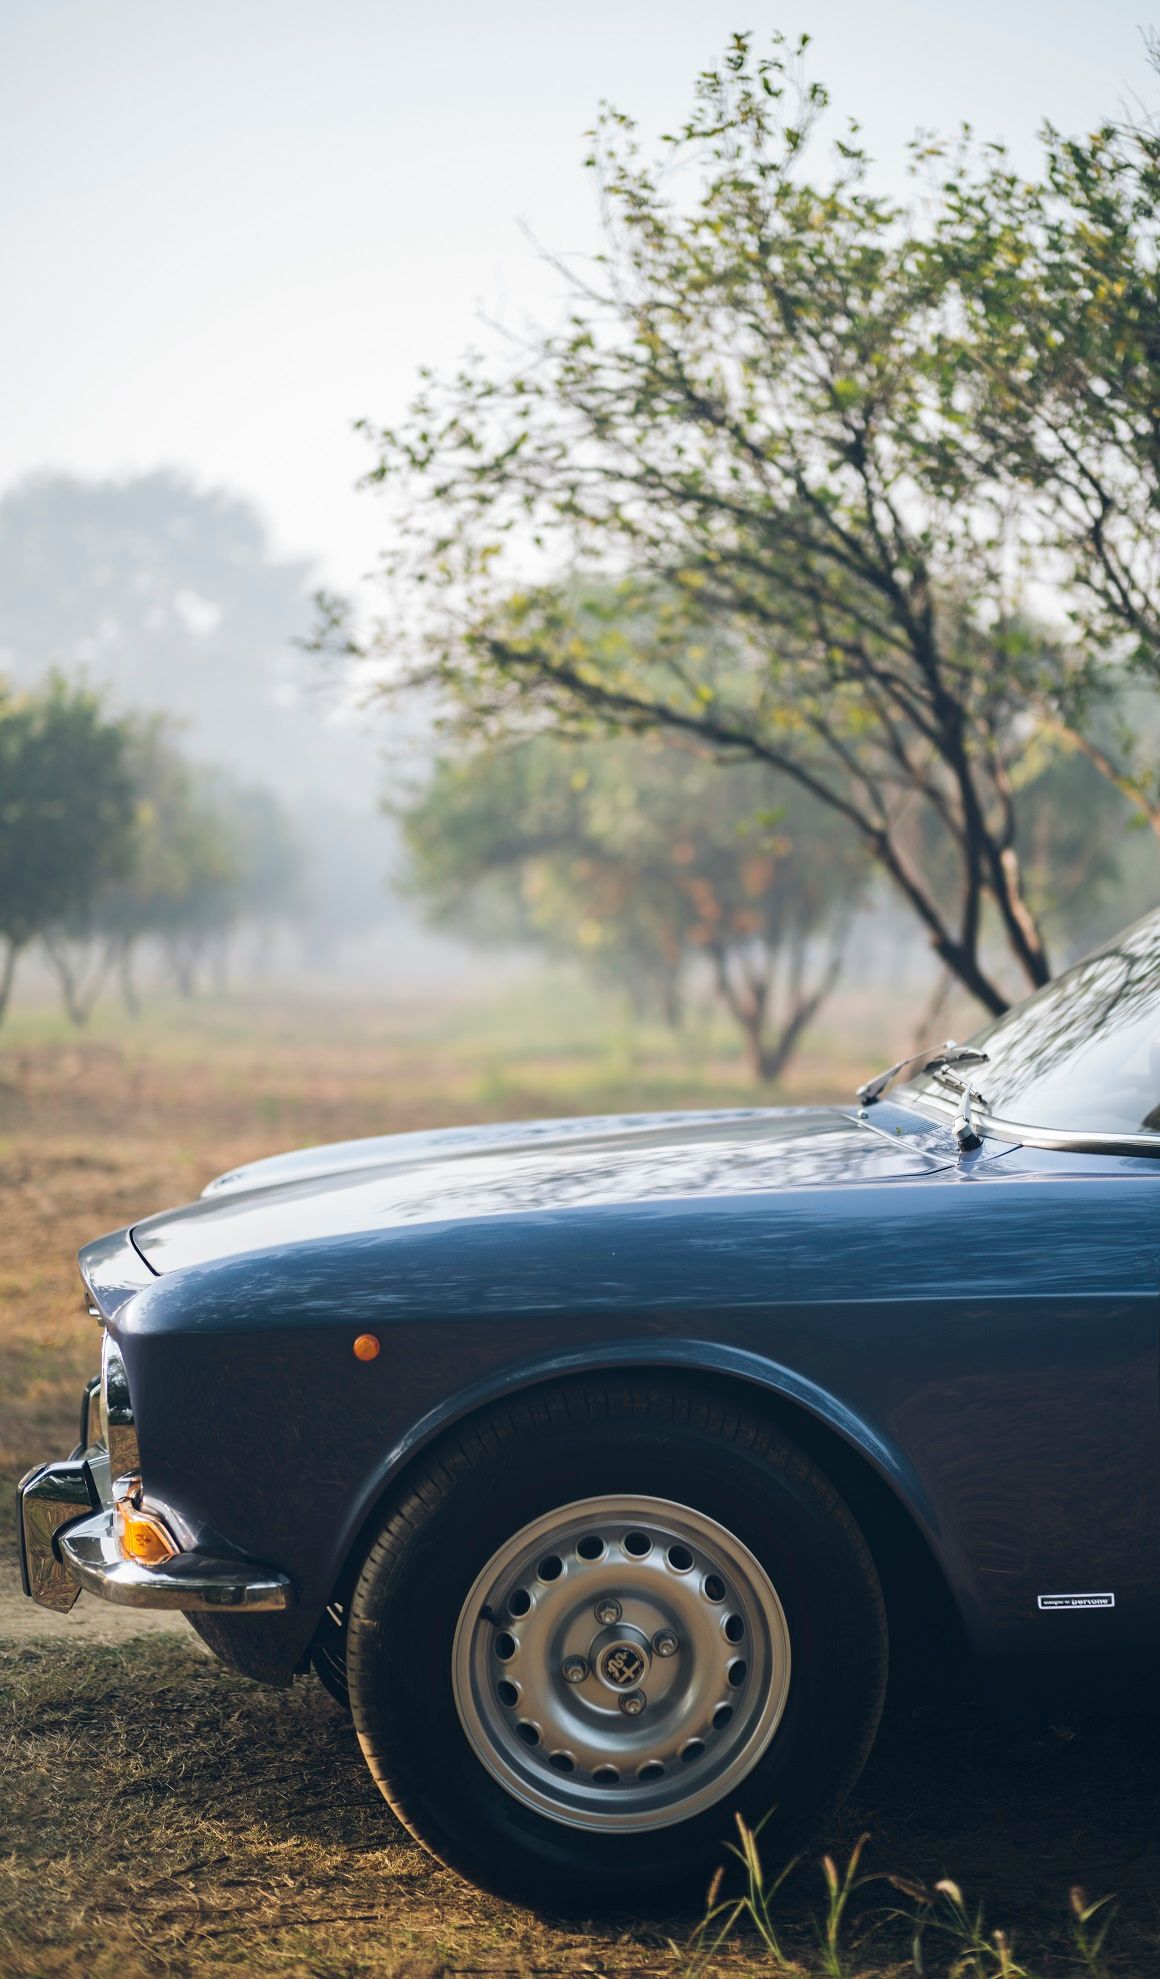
x,y
161,1815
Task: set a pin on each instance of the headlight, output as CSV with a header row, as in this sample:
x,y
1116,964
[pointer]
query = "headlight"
x,y
117,1412
92,1426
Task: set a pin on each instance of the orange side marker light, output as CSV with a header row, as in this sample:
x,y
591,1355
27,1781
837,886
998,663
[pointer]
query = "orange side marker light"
x,y
141,1535
367,1348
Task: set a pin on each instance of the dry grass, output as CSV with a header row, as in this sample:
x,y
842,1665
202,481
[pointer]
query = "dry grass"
x,y
160,1815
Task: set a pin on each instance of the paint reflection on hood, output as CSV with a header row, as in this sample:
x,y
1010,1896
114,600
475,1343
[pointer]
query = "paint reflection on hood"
x,y
689,1155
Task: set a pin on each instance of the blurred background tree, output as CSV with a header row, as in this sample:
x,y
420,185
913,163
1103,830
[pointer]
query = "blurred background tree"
x,y
110,838
66,813
179,849
651,868
205,854
247,870
168,597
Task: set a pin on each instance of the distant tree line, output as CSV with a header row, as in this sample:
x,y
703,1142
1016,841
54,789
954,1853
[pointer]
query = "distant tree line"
x,y
174,598
111,840
858,502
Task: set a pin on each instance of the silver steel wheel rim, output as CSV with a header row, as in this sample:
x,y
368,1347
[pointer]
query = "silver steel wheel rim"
x,y
627,1720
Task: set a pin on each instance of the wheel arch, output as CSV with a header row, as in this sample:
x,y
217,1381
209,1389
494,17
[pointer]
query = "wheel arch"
x,y
879,1486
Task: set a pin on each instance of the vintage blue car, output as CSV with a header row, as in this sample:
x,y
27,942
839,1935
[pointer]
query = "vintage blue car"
x,y
602,1464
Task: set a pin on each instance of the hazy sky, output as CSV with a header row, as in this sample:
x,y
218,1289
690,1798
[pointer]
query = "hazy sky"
x,y
229,227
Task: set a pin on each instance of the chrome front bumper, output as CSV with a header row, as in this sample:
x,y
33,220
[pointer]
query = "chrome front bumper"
x,y
197,1583
68,1542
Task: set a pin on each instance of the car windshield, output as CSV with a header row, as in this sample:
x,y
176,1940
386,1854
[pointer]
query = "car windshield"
x,y
1081,1054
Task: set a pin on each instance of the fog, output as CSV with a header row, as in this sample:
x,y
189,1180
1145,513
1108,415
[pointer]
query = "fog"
x,y
233,236
168,600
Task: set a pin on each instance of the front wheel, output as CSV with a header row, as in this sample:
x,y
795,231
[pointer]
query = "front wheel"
x,y
601,1620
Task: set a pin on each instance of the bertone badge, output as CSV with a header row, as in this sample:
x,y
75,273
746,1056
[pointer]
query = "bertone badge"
x,y
622,1665
1077,1601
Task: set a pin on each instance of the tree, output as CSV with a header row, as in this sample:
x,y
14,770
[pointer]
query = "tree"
x,y
209,854
168,595
268,885
751,407
182,859
1055,356
641,861
66,812
203,853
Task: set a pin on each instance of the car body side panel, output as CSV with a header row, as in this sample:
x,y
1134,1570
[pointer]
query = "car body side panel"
x,y
988,1340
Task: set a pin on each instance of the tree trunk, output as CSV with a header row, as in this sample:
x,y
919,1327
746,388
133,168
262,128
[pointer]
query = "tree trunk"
x,y
125,981
756,1056
776,1053
63,971
8,973
747,1006
182,963
1026,939
221,966
79,987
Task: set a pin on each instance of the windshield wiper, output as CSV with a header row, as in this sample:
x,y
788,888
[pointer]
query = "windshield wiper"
x,y
927,1061
963,1125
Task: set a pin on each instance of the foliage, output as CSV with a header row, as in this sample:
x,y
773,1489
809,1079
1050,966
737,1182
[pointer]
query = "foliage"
x,y
179,866
641,860
206,853
1056,367
764,409
109,837
66,812
245,866
181,850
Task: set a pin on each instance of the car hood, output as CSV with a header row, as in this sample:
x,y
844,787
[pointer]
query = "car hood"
x,y
360,1187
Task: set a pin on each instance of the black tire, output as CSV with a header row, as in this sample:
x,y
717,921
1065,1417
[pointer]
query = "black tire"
x,y
328,1655
516,1462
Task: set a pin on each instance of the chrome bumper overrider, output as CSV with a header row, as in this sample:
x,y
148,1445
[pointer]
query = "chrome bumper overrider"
x,y
47,1499
68,1542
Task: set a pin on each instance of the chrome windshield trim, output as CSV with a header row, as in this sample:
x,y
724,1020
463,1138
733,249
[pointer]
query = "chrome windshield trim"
x,y
1064,1140
1067,1141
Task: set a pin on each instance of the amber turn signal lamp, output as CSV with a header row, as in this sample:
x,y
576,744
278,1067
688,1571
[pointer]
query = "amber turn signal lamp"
x,y
367,1348
141,1536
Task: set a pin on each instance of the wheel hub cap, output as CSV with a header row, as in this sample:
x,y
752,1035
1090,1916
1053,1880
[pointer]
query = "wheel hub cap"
x,y
621,1663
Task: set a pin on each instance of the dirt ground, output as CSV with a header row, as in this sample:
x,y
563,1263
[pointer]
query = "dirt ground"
x,y
159,1814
